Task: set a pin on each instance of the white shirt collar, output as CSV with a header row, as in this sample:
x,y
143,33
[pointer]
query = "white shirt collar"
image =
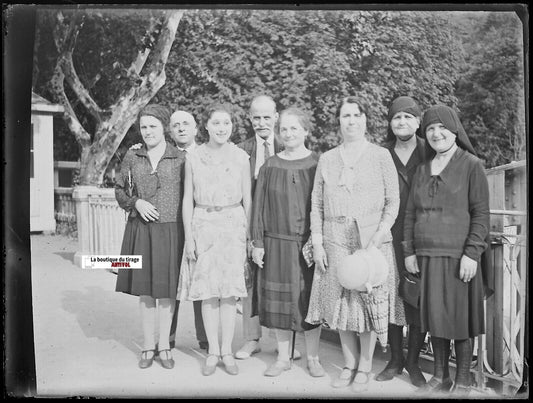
x,y
188,149
261,140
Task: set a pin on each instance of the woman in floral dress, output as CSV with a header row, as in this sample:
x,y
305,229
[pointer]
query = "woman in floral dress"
x,y
216,215
355,201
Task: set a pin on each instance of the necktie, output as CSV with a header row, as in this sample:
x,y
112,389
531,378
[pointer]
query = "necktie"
x,y
267,151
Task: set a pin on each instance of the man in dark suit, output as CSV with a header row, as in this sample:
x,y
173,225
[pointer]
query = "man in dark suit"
x,y
183,131
260,146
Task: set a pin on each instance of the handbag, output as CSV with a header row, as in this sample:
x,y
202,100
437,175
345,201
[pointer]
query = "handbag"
x,y
307,252
410,289
248,275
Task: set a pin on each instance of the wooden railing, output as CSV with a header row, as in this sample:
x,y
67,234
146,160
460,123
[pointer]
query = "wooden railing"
x,y
501,350
106,225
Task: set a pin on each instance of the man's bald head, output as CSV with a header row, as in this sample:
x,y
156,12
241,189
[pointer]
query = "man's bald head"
x,y
183,128
262,101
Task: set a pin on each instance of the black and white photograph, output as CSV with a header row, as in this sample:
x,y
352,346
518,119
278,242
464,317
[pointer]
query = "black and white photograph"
x,y
294,201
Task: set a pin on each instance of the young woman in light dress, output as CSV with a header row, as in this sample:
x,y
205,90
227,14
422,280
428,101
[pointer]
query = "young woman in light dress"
x,y
216,216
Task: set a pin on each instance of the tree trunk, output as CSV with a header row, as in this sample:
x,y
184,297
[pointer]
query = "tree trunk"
x,y
111,127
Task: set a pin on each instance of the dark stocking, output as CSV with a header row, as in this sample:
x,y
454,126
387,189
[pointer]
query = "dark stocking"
x,y
414,344
463,353
441,355
395,365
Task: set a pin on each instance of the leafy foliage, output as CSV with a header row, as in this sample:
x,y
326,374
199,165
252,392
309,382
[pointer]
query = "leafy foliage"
x,y
491,90
312,59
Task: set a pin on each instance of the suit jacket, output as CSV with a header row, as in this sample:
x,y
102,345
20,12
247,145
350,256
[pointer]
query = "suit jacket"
x,y
250,146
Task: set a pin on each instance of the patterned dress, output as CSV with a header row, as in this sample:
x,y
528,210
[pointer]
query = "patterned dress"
x,y
219,234
346,193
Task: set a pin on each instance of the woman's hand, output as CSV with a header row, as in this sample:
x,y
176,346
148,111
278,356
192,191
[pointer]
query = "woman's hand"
x,y
467,268
377,239
147,210
411,264
319,255
257,256
190,250
249,249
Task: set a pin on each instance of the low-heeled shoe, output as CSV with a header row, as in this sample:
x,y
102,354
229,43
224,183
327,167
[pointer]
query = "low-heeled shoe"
x,y
231,367
209,369
146,362
344,378
277,368
167,363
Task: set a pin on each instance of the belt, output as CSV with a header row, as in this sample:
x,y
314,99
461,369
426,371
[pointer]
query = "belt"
x,y
340,219
295,238
218,208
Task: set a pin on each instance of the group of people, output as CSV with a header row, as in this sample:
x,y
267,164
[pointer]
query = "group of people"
x,y
219,222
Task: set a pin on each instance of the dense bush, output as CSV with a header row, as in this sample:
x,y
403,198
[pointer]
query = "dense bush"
x,y
311,59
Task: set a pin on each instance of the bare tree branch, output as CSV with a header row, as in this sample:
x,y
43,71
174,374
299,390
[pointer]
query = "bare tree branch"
x,y
79,89
125,110
58,89
65,39
138,64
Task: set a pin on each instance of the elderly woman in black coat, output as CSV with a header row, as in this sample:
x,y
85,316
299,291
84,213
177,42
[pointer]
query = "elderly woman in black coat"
x,y
446,227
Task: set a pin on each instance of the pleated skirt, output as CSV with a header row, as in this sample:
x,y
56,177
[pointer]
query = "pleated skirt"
x,y
449,307
158,244
284,286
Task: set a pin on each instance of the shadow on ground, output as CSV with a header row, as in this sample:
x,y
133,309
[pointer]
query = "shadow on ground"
x,y
69,256
98,318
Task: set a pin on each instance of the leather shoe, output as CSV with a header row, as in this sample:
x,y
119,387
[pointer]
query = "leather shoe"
x,y
345,378
415,375
277,368
436,386
460,390
360,381
204,345
147,359
314,367
390,371
210,365
166,362
250,348
229,364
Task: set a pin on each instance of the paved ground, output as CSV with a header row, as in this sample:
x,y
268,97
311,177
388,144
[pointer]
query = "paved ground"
x,y
88,339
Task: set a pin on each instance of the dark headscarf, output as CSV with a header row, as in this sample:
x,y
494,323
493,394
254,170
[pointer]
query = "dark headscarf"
x,y
402,104
448,117
159,112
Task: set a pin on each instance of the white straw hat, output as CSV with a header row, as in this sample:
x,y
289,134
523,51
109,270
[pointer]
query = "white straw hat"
x,y
364,269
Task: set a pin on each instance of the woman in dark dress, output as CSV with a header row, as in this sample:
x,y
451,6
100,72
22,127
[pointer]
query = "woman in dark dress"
x,y
408,150
446,225
280,227
148,187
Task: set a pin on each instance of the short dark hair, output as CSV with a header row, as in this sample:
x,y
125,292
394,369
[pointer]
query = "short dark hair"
x,y
303,117
351,100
